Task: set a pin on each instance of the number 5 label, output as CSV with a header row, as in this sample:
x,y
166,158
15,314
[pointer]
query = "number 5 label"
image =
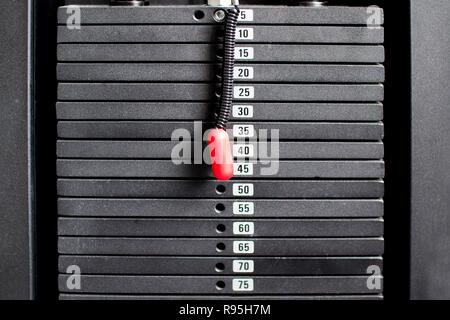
x,y
246,15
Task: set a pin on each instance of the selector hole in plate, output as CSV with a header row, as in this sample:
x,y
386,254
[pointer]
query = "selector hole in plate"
x,y
220,267
220,246
220,207
221,228
220,285
220,189
199,15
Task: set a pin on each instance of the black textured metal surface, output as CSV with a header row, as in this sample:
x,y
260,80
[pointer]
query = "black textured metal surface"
x,y
209,265
430,201
129,77
16,249
185,15
182,72
88,110
207,188
163,149
90,207
175,52
208,247
209,34
206,92
167,169
163,130
116,227
207,285
211,297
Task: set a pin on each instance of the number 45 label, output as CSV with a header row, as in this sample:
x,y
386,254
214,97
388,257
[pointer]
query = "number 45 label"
x,y
243,169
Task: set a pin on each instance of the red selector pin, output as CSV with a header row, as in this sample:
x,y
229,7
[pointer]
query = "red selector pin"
x,y
221,157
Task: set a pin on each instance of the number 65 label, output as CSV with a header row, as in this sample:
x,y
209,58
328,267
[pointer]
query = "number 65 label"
x,y
243,247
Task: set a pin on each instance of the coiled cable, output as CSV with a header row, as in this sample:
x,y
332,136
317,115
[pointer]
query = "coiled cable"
x,y
226,98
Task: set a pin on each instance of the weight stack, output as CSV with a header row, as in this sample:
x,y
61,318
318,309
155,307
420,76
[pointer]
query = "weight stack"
x,y
136,225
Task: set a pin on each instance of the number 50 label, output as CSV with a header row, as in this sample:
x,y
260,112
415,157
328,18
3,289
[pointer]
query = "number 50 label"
x,y
243,189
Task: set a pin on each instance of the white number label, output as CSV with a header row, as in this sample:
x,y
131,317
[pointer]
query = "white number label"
x,y
242,111
243,189
243,150
244,53
243,266
244,247
244,92
246,228
243,169
243,131
246,15
243,72
243,208
244,34
242,284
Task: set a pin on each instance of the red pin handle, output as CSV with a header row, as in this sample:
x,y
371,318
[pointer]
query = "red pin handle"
x,y
221,158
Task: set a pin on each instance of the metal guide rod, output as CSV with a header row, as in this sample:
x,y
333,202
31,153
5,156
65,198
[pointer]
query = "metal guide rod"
x,y
223,3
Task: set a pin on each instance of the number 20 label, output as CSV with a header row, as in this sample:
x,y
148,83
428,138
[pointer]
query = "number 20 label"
x,y
243,72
